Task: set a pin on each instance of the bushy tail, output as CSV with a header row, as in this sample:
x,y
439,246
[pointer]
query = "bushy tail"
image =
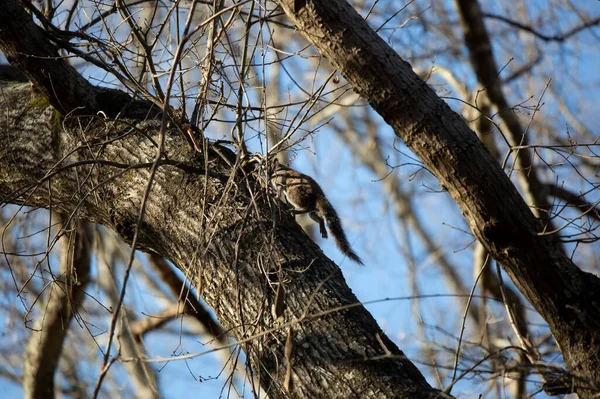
x,y
334,224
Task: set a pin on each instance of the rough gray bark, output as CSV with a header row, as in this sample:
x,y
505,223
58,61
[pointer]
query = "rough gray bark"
x,y
564,295
204,220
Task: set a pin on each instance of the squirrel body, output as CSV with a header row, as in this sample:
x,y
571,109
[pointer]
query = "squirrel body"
x,y
305,195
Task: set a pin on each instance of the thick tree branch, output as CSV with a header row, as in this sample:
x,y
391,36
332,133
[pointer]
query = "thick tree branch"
x,y
496,213
223,239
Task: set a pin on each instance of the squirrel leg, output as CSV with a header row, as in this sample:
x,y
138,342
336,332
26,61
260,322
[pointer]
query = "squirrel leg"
x,y
316,218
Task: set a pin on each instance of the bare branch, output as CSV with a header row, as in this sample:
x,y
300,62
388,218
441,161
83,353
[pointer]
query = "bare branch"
x,y
191,305
64,297
28,47
561,37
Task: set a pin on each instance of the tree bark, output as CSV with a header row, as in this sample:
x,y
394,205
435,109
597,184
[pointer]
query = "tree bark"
x,y
565,296
201,215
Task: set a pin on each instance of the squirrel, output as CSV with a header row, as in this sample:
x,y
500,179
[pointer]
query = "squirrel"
x,y
305,195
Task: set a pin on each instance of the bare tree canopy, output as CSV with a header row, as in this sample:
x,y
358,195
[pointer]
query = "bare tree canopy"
x,y
159,121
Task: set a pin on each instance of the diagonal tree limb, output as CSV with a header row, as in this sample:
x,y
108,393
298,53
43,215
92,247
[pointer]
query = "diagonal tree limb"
x,y
495,211
200,220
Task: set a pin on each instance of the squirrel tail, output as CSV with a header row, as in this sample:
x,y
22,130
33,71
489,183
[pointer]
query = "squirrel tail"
x,y
334,224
